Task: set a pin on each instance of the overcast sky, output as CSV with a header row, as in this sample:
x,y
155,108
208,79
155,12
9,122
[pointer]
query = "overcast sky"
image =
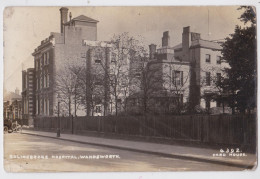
x,y
25,27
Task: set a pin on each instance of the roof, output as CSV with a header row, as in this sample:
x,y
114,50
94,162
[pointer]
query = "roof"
x,y
177,46
206,44
201,43
84,18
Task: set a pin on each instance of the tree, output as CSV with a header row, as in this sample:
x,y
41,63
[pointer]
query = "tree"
x,y
68,87
176,83
125,49
239,51
88,80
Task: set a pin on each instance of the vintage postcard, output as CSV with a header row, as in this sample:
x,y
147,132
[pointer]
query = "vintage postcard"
x,y
130,89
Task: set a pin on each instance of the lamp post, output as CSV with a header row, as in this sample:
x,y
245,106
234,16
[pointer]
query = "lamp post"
x,y
58,129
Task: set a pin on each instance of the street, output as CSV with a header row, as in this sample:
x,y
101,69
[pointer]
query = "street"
x,y
27,153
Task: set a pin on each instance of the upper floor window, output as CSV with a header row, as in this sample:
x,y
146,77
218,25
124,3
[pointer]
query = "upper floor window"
x,y
208,80
48,57
137,75
208,58
218,77
36,64
218,60
113,58
37,83
177,77
97,61
42,61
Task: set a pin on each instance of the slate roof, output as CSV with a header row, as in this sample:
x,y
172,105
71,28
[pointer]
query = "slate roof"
x,y
84,18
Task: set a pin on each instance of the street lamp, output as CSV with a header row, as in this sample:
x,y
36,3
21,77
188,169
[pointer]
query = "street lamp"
x,y
58,129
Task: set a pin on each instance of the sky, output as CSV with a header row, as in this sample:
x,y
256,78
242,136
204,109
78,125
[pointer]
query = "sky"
x,y
25,27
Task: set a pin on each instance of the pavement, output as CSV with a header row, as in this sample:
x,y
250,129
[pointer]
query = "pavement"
x,y
235,159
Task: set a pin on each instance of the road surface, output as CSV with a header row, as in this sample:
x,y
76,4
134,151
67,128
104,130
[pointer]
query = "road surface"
x,y
27,153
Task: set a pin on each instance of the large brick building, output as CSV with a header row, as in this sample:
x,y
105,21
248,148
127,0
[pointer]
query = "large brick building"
x,y
78,36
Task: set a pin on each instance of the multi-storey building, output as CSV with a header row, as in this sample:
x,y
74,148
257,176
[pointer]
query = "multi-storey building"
x,y
12,105
76,41
206,67
183,75
28,94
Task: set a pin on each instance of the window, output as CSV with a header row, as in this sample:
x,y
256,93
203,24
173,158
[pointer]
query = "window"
x,y
98,109
113,58
40,109
208,78
218,60
207,103
40,87
218,77
44,81
36,83
42,61
37,105
137,75
177,77
43,111
47,80
98,80
47,107
208,58
36,65
97,61
48,57
45,58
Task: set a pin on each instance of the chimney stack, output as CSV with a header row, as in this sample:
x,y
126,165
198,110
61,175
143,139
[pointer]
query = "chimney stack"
x,y
166,39
186,42
17,91
63,18
152,51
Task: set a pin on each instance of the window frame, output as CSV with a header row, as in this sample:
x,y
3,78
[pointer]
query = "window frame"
x,y
180,78
208,78
218,60
207,58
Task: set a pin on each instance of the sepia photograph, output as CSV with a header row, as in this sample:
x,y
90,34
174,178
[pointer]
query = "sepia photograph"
x,y
129,88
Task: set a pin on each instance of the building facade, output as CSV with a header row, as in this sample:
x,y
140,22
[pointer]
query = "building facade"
x,y
75,44
206,68
28,94
180,77
12,105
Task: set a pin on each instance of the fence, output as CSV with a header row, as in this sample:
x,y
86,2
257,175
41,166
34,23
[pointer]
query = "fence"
x,y
222,129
